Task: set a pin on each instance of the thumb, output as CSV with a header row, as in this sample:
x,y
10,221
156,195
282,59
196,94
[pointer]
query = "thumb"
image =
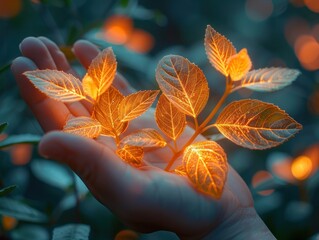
x,y
96,164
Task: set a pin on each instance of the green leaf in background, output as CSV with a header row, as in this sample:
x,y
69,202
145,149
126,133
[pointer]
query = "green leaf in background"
x,y
5,191
17,139
20,211
3,126
29,231
71,232
52,173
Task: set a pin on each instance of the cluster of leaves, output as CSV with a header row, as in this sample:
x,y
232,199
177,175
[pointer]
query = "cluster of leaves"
x,y
249,123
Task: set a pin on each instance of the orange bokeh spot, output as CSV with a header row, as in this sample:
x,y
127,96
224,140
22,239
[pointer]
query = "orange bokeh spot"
x,y
307,51
21,154
297,3
301,167
10,8
260,177
9,223
259,10
118,29
295,27
126,235
313,5
140,41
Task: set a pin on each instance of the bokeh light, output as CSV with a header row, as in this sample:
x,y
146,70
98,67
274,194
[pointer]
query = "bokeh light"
x,y
259,10
21,154
260,177
140,41
8,223
10,8
301,167
313,5
118,29
307,50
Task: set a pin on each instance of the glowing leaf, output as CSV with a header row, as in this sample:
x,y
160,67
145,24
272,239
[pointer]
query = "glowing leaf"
x,y
206,166
183,83
106,112
100,74
57,84
267,79
180,170
83,126
169,119
133,155
256,125
218,50
147,137
239,65
134,105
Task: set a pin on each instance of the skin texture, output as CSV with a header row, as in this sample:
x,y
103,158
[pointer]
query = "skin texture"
x,y
146,199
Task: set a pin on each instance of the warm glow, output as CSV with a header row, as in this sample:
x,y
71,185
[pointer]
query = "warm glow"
x,y
140,41
118,29
313,5
260,177
295,27
297,3
126,235
8,223
259,10
21,154
301,167
307,51
10,8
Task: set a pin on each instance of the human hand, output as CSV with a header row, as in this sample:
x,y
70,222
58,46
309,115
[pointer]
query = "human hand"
x,y
146,199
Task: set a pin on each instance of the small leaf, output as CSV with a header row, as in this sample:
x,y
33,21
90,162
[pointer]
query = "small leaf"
x,y
147,137
3,126
106,111
83,126
18,139
101,74
267,79
183,83
20,211
71,232
256,125
58,85
239,65
218,50
169,119
7,190
131,154
180,170
135,104
206,166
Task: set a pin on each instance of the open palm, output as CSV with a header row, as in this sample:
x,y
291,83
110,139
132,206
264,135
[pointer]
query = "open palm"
x,y
146,199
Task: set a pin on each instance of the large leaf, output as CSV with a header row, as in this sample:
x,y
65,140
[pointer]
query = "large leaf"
x,y
71,232
267,79
20,211
17,139
256,125
106,111
135,104
206,166
29,231
147,137
83,126
57,84
131,154
5,191
183,83
3,126
100,74
239,64
169,119
218,49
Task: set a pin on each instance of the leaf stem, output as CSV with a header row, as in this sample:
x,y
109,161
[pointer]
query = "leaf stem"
x,y
202,126
208,127
196,123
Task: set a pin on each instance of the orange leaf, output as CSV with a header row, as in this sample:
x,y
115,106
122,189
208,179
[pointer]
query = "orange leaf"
x,y
131,154
218,50
183,83
239,65
206,166
254,124
267,79
100,74
134,105
180,170
58,85
169,119
83,126
106,112
147,137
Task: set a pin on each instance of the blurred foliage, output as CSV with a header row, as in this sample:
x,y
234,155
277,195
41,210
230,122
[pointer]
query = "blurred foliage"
x,y
38,195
